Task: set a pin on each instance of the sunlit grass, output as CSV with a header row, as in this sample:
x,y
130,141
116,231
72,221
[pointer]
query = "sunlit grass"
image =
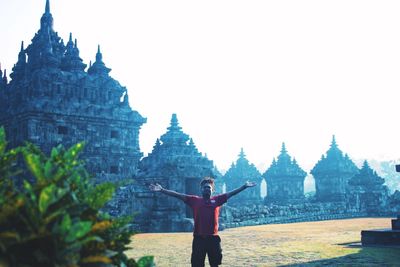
x,y
301,244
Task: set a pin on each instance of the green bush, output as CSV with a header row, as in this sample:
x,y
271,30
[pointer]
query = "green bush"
x,y
54,218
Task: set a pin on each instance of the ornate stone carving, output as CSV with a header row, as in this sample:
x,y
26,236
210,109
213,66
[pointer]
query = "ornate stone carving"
x,y
332,173
285,179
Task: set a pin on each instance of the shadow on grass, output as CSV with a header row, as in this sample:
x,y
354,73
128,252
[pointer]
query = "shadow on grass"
x,y
367,256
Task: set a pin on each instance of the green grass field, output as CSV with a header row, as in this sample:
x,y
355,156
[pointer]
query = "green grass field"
x,y
297,244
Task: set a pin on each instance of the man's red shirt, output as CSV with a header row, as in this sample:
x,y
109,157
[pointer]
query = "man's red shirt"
x,y
206,213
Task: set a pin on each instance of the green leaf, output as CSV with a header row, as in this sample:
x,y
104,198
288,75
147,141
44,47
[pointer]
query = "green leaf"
x,y
48,169
73,151
65,225
146,261
33,162
78,230
46,197
99,195
54,153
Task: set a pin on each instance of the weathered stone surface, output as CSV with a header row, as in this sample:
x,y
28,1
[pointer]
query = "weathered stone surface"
x,y
366,191
52,100
332,173
176,164
285,180
237,175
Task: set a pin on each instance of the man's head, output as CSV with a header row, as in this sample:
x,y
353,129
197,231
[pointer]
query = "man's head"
x,y
207,187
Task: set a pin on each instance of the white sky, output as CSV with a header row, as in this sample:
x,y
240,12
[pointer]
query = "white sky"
x,y
248,74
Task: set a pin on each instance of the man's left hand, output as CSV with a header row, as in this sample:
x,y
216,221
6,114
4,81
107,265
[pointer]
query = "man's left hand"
x,y
249,184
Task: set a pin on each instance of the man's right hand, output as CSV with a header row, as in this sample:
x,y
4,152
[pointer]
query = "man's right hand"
x,y
155,187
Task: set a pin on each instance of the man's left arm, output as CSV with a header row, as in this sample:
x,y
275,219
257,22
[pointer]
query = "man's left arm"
x,y
240,189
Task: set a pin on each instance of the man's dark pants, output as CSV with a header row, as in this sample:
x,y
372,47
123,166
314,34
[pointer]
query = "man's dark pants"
x,y
210,245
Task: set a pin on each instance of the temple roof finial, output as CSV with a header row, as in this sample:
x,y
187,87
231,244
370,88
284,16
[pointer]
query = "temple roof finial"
x,y
99,56
333,141
174,120
22,46
283,150
47,9
5,80
241,154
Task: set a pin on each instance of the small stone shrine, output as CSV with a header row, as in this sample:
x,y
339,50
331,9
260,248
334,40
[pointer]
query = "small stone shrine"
x,y
237,175
385,237
285,180
366,191
332,173
176,164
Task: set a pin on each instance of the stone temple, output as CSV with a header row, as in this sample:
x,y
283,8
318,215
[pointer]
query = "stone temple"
x,y
237,175
52,98
367,192
332,173
285,179
176,164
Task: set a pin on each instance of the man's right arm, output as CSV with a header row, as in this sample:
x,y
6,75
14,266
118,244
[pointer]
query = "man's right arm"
x,y
158,188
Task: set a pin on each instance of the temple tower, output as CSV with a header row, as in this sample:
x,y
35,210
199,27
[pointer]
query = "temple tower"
x,y
52,100
240,172
176,164
332,173
285,179
367,192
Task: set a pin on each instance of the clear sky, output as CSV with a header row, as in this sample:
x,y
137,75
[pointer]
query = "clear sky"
x,y
249,74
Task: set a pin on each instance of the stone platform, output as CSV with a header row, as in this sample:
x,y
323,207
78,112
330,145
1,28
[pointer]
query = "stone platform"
x,y
382,236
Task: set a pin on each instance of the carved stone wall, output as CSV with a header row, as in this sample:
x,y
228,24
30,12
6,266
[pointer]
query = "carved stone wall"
x,y
52,100
332,174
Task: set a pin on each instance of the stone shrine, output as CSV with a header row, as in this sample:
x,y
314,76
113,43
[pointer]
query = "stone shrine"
x,y
237,175
176,164
383,237
332,173
285,180
367,192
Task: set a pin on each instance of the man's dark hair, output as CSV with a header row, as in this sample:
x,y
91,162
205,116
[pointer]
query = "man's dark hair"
x,y
207,180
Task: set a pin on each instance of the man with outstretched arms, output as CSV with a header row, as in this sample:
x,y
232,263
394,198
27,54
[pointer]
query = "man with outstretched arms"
x,y
205,214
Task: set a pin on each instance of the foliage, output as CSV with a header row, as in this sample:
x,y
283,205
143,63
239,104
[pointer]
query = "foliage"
x,y
54,218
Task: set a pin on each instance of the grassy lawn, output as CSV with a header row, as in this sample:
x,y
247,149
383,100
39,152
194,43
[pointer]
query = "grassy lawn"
x,y
297,244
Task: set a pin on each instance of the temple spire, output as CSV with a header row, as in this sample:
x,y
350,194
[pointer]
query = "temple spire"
x,y
98,66
47,9
241,154
18,71
47,19
5,80
71,60
283,149
99,56
333,144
